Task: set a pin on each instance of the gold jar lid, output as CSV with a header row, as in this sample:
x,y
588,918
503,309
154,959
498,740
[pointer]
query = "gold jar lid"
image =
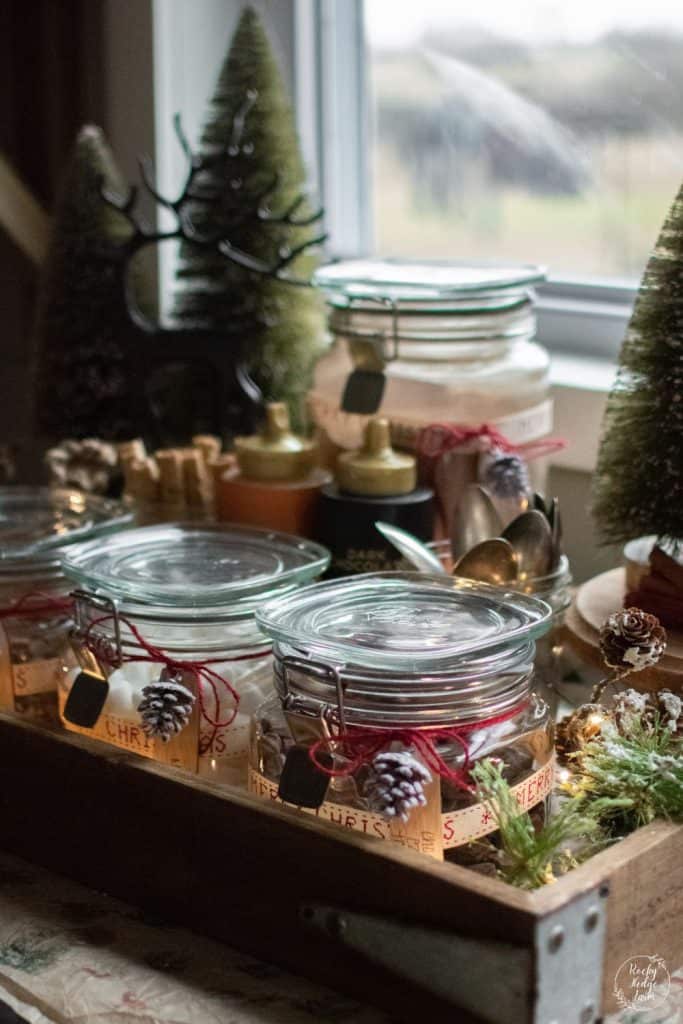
x,y
376,469
276,453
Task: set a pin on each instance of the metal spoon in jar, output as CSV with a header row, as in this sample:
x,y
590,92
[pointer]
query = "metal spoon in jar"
x,y
492,561
475,520
412,549
531,537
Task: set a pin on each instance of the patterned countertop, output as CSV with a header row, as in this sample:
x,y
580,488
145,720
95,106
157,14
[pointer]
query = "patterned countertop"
x,y
73,956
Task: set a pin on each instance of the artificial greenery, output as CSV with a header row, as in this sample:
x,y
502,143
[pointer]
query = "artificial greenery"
x,y
529,856
281,324
81,315
639,482
634,778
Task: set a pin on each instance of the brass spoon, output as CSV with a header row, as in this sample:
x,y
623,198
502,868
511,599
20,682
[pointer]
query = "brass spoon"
x,y
492,561
531,538
475,520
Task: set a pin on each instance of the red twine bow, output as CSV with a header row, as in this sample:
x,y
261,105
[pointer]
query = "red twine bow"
x,y
35,604
439,438
361,746
200,670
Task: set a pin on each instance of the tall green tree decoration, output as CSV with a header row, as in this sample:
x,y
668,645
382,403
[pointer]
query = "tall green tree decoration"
x,y
256,204
81,316
639,482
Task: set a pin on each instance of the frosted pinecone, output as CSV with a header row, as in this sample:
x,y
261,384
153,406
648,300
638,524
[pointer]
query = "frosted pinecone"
x,y
166,707
632,640
395,784
505,476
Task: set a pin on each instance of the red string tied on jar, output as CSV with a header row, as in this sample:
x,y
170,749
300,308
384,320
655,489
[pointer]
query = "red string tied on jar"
x,y
360,746
104,650
37,604
438,439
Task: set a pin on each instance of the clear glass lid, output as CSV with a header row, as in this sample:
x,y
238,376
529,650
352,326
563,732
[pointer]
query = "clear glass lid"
x,y
34,521
402,620
185,565
401,281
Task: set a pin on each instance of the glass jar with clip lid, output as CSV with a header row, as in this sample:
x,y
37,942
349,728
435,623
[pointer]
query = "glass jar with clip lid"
x,y
171,661
429,342
389,688
36,525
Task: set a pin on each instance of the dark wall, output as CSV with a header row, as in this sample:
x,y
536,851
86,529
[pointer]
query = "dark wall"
x,y
50,84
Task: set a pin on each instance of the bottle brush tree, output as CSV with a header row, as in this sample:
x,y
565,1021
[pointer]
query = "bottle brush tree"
x,y
81,318
250,194
639,481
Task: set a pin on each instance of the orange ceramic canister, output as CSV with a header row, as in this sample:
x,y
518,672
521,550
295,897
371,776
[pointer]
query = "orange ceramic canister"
x,y
276,483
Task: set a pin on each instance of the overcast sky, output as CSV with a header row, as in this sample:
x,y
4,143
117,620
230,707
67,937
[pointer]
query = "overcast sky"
x,y
398,23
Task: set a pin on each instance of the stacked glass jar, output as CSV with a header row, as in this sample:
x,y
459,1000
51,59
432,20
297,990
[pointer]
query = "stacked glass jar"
x,y
411,665
172,663
36,524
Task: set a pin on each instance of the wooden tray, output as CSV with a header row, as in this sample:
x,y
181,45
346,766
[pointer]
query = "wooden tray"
x,y
424,940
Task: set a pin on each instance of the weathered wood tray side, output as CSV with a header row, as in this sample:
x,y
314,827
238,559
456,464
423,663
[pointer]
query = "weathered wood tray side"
x,y
244,871
230,866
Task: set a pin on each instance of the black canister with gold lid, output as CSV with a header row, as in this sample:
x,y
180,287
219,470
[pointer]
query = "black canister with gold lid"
x,y
373,483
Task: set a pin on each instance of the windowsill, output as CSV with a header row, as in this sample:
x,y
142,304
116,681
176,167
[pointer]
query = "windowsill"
x,y
580,388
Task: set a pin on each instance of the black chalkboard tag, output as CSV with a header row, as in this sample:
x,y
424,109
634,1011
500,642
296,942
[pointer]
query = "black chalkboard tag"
x,y
86,699
301,783
363,392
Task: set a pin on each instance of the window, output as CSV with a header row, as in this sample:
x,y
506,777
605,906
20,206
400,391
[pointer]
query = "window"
x,y
538,131
532,131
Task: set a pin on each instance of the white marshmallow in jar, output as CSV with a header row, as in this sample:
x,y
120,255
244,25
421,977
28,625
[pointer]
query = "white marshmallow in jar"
x,y
171,661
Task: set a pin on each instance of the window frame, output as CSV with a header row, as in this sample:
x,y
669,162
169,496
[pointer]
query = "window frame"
x,y
579,317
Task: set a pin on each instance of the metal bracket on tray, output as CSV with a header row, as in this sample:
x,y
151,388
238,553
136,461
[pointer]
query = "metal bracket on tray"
x,y
557,981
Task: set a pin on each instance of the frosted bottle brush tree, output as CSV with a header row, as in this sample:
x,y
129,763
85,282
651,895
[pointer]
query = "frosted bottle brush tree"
x,y
639,484
82,321
252,193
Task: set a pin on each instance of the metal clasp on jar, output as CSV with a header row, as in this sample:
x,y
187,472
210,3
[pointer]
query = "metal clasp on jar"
x,y
372,351
108,649
297,707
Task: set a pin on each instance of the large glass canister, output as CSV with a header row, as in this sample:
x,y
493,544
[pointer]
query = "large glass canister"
x,y
36,524
171,661
426,343
390,687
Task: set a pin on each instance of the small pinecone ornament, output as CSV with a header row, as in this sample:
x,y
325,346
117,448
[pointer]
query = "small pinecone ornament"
x,y
395,784
632,640
576,730
648,711
165,707
505,475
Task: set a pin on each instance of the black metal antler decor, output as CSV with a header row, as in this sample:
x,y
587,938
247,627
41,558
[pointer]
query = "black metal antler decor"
x,y
195,376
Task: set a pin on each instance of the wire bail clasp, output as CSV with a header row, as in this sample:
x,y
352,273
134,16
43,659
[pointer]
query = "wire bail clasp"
x,y
102,648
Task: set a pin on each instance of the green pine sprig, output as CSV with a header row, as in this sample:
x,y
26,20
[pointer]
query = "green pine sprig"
x,y
531,857
642,771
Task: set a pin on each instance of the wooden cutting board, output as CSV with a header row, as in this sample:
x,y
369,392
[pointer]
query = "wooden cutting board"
x,y
594,601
